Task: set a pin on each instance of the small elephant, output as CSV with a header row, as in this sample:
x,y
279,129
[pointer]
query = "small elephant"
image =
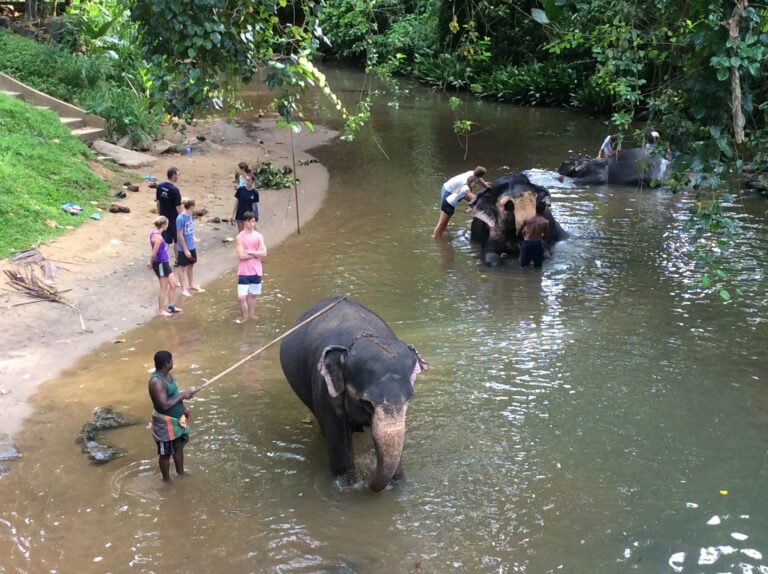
x,y
634,166
499,212
352,372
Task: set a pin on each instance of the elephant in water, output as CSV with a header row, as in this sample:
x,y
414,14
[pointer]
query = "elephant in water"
x,y
636,166
352,371
498,214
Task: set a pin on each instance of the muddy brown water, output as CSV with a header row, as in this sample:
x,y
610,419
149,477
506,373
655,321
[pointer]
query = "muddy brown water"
x,y
603,415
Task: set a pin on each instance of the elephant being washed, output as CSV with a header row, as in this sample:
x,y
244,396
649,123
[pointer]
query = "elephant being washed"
x,y
634,166
498,214
352,371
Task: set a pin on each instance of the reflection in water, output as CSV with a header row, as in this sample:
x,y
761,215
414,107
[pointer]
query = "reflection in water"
x,y
582,418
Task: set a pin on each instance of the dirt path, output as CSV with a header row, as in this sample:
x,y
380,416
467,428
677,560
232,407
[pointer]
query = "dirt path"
x,y
102,264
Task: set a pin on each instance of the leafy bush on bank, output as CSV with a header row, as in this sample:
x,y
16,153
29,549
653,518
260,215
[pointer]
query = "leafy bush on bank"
x,y
92,81
42,166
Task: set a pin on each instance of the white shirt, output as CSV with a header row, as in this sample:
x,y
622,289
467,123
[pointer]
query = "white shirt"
x,y
606,148
457,196
456,182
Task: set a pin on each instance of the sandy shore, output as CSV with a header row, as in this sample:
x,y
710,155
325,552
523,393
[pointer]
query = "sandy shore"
x,y
102,264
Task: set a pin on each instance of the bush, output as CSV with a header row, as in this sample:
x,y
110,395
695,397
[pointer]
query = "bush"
x,y
538,84
92,81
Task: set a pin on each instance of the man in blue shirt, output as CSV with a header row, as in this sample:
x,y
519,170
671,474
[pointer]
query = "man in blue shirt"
x,y
187,247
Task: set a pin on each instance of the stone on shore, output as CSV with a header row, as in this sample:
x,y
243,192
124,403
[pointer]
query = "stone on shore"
x,y
122,156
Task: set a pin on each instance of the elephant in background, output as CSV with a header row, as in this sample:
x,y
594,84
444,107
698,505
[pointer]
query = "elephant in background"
x,y
636,166
498,214
352,372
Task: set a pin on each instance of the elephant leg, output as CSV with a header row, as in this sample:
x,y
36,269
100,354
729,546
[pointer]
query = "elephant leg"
x,y
339,440
399,472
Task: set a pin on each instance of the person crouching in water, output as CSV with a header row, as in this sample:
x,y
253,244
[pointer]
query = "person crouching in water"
x,y
448,206
534,230
250,249
159,263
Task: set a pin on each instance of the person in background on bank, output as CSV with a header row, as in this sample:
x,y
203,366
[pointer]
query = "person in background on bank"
x,y
187,252
246,199
448,207
651,139
159,263
610,148
250,249
457,181
168,203
534,230
243,170
169,415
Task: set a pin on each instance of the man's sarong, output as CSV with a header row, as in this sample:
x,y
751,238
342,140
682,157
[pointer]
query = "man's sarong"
x,y
166,428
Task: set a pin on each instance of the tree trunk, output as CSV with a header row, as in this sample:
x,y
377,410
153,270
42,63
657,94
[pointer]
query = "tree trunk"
x,y
733,25
30,12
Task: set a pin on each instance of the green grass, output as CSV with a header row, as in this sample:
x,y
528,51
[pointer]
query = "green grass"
x,y
41,167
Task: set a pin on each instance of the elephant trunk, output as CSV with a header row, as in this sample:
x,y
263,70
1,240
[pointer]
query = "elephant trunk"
x,y
388,436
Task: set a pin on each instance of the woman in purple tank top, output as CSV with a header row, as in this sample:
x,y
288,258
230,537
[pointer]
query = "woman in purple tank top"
x,y
158,262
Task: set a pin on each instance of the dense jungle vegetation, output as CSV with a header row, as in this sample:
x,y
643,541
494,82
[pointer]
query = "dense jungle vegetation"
x,y
693,69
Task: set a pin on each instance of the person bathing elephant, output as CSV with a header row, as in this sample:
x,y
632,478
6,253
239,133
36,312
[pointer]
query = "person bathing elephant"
x,y
351,371
500,212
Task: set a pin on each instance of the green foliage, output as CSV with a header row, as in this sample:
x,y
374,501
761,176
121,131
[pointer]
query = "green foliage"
x,y
95,81
546,83
41,167
271,177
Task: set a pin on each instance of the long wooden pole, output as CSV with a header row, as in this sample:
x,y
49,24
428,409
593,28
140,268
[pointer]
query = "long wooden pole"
x,y
295,187
272,342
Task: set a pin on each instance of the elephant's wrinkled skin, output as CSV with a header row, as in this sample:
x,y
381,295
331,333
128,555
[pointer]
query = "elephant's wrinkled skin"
x,y
498,214
634,167
351,370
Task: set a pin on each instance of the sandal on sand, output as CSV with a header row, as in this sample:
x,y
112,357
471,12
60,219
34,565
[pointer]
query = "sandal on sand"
x,y
173,309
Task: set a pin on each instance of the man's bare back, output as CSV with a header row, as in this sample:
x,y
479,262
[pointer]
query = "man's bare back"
x,y
535,228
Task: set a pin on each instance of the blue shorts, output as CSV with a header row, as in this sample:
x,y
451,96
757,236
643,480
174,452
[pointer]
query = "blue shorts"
x,y
532,250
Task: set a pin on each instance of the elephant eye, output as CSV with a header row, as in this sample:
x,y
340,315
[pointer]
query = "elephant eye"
x,y
368,406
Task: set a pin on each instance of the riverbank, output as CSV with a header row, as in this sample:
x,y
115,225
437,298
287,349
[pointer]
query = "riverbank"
x,y
102,265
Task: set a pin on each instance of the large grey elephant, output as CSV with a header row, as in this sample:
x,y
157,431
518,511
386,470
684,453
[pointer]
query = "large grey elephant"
x,y
634,166
352,372
498,215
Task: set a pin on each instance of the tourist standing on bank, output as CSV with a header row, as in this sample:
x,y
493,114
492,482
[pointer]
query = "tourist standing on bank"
x,y
168,201
159,263
246,199
187,247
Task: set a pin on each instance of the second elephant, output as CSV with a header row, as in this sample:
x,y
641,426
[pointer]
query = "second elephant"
x,y
636,166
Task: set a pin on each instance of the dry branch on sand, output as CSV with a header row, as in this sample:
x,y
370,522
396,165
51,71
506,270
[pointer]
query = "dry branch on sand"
x,y
26,282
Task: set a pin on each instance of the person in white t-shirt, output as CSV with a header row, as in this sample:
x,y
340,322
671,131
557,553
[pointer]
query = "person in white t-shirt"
x,y
610,148
466,192
457,181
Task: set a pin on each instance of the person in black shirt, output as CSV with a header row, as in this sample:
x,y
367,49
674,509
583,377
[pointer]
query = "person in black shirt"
x,y
246,199
168,199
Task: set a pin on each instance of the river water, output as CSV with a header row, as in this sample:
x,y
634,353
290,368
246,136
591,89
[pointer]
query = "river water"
x,y
601,415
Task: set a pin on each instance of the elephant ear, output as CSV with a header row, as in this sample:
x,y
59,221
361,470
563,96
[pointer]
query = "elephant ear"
x,y
421,365
332,367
